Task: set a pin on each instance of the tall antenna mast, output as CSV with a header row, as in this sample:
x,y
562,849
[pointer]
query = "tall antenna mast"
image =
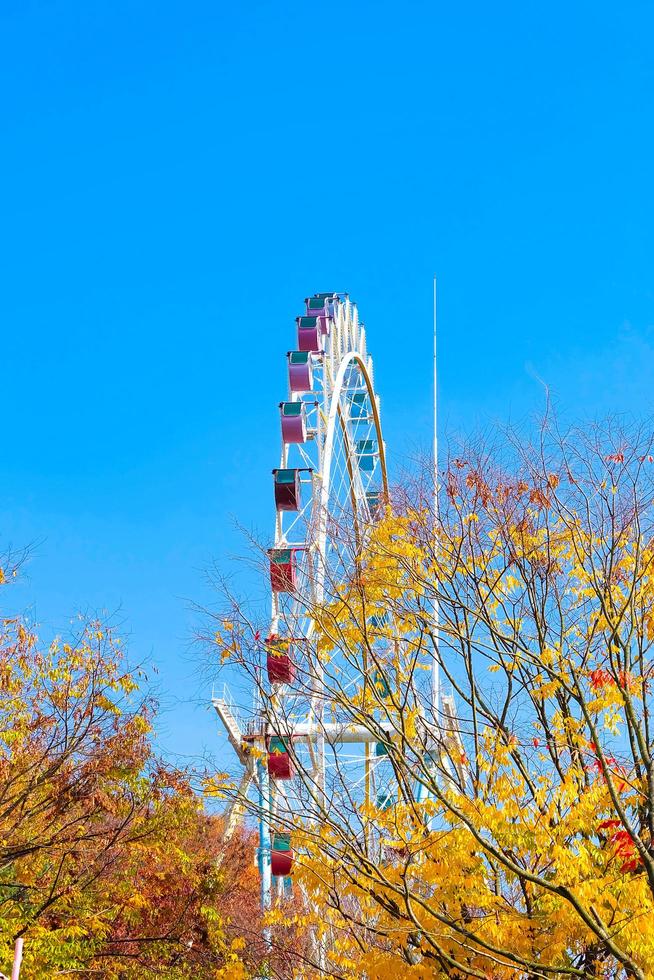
x,y
435,669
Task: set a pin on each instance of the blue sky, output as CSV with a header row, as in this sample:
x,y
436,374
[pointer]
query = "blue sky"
x,y
176,177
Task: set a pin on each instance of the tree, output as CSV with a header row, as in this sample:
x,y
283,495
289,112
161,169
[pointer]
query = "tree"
x,y
519,842
109,865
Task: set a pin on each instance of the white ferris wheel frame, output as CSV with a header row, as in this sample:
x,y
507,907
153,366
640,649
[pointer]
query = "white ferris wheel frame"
x,y
344,349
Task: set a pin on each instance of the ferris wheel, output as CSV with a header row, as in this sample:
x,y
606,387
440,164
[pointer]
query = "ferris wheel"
x,y
328,490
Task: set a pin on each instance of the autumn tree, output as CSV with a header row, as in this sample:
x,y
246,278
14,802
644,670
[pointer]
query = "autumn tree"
x,y
518,842
109,864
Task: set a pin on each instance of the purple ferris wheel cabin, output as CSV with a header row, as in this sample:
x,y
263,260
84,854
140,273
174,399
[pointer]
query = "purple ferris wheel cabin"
x,y
294,422
300,374
310,333
322,304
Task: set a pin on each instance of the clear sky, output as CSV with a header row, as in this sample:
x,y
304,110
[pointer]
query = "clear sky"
x,y
177,176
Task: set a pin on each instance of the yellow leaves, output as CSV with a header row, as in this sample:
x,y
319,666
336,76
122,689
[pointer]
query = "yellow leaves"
x,y
608,699
140,725
11,736
534,593
511,808
137,900
234,969
257,753
220,785
410,718
548,656
612,720
226,648
276,916
107,704
127,684
113,839
546,689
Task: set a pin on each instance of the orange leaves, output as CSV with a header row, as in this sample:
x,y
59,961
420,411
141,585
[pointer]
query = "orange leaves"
x,y
111,840
624,847
451,486
545,587
475,481
502,491
602,678
537,497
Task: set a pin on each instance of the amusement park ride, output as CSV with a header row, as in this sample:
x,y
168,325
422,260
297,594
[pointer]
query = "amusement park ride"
x,y
332,471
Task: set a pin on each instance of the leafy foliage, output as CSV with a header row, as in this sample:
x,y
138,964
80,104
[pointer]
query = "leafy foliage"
x,y
109,865
520,840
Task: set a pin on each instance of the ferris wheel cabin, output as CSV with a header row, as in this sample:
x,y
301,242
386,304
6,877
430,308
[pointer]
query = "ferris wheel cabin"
x,y
366,451
283,569
310,333
281,855
300,372
279,759
294,422
287,489
280,664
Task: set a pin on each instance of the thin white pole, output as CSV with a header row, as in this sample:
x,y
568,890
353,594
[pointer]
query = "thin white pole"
x,y
435,670
265,869
18,958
